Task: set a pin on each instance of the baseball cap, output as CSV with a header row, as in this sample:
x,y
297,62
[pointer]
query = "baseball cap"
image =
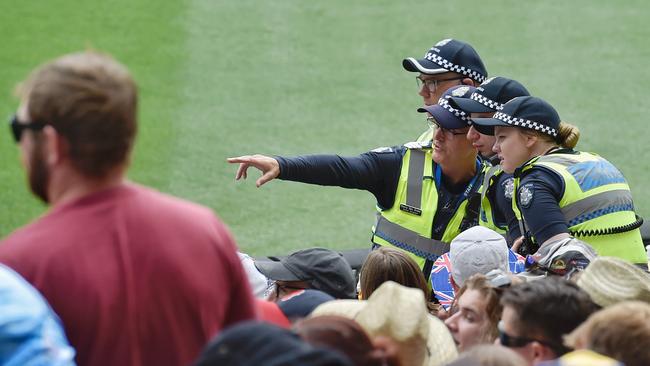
x,y
323,269
399,313
444,113
609,280
526,112
254,343
490,96
449,55
477,250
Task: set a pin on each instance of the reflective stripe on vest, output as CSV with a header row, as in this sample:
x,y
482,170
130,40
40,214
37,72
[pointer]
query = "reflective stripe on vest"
x,y
486,217
409,240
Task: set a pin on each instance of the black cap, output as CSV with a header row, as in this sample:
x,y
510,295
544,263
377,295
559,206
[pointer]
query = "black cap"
x,y
323,269
445,114
253,343
490,96
525,112
449,55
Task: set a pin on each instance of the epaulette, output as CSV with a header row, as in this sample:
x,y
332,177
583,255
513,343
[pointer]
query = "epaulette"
x,y
418,145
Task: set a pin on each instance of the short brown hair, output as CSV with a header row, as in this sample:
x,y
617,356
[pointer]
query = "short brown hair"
x,y
91,100
387,264
621,331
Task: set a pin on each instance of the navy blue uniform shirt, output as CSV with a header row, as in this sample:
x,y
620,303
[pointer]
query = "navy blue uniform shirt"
x,y
376,171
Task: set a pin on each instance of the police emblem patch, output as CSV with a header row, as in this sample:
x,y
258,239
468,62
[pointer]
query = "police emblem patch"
x,y
459,92
526,195
508,188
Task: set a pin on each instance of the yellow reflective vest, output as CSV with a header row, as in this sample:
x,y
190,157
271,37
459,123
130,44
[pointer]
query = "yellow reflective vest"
x,y
486,217
597,203
408,224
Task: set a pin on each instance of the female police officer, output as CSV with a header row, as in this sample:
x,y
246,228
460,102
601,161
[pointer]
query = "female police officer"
x,y
422,189
560,191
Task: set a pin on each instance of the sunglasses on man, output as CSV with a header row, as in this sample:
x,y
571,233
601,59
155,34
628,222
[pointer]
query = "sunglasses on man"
x,y
17,127
510,341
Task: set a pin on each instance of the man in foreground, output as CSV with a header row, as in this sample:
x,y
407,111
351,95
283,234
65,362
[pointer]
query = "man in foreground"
x,y
137,277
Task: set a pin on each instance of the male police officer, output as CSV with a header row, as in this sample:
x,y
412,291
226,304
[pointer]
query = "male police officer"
x,y
449,62
421,189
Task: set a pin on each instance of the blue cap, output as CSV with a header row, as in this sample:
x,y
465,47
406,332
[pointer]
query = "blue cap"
x,y
449,55
444,113
490,96
525,112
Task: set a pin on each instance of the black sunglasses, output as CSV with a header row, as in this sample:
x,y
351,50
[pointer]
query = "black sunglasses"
x,y
17,127
507,340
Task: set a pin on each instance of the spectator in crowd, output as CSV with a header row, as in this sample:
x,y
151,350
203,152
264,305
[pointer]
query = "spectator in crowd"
x,y
30,332
387,264
560,192
346,336
475,250
488,98
489,355
582,357
448,63
537,314
137,277
620,331
301,303
255,344
399,313
314,268
477,311
610,280
418,215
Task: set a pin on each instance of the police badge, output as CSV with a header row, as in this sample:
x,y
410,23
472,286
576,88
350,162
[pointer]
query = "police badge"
x,y
508,188
526,194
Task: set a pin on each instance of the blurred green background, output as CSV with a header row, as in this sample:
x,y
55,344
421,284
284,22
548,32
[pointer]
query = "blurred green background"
x,y
232,77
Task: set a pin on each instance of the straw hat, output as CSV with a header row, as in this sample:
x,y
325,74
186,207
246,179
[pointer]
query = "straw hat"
x,y
399,313
610,280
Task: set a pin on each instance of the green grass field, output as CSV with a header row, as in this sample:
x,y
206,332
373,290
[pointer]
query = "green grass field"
x,y
231,77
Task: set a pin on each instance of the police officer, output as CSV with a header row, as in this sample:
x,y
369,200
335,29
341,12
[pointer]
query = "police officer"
x,y
421,189
489,98
561,192
448,63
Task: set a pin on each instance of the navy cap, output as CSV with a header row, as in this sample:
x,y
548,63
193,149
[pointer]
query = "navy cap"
x,y
449,55
322,268
252,343
445,114
302,303
490,96
526,112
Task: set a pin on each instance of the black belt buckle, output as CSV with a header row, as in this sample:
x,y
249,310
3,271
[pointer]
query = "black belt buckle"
x,y
410,209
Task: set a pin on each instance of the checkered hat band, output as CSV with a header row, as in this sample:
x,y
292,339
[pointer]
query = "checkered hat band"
x,y
434,57
444,103
486,101
520,122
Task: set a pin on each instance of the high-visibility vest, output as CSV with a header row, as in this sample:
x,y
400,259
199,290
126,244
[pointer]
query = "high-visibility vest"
x,y
408,224
597,203
486,217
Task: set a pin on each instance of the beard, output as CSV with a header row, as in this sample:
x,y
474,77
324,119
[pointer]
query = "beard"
x,y
38,174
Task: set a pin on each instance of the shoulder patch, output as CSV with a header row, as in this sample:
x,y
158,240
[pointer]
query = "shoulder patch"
x,y
382,150
526,194
508,187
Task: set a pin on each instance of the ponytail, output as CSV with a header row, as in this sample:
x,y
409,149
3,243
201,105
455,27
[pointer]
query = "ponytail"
x,y
567,136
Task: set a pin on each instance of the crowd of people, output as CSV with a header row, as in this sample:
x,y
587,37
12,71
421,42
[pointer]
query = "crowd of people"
x,y
495,242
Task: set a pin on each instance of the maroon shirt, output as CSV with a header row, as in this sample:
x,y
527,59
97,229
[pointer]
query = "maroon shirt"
x,y
137,277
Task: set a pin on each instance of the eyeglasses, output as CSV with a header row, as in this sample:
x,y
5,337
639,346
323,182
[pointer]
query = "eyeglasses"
x,y
509,341
17,127
435,125
432,84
